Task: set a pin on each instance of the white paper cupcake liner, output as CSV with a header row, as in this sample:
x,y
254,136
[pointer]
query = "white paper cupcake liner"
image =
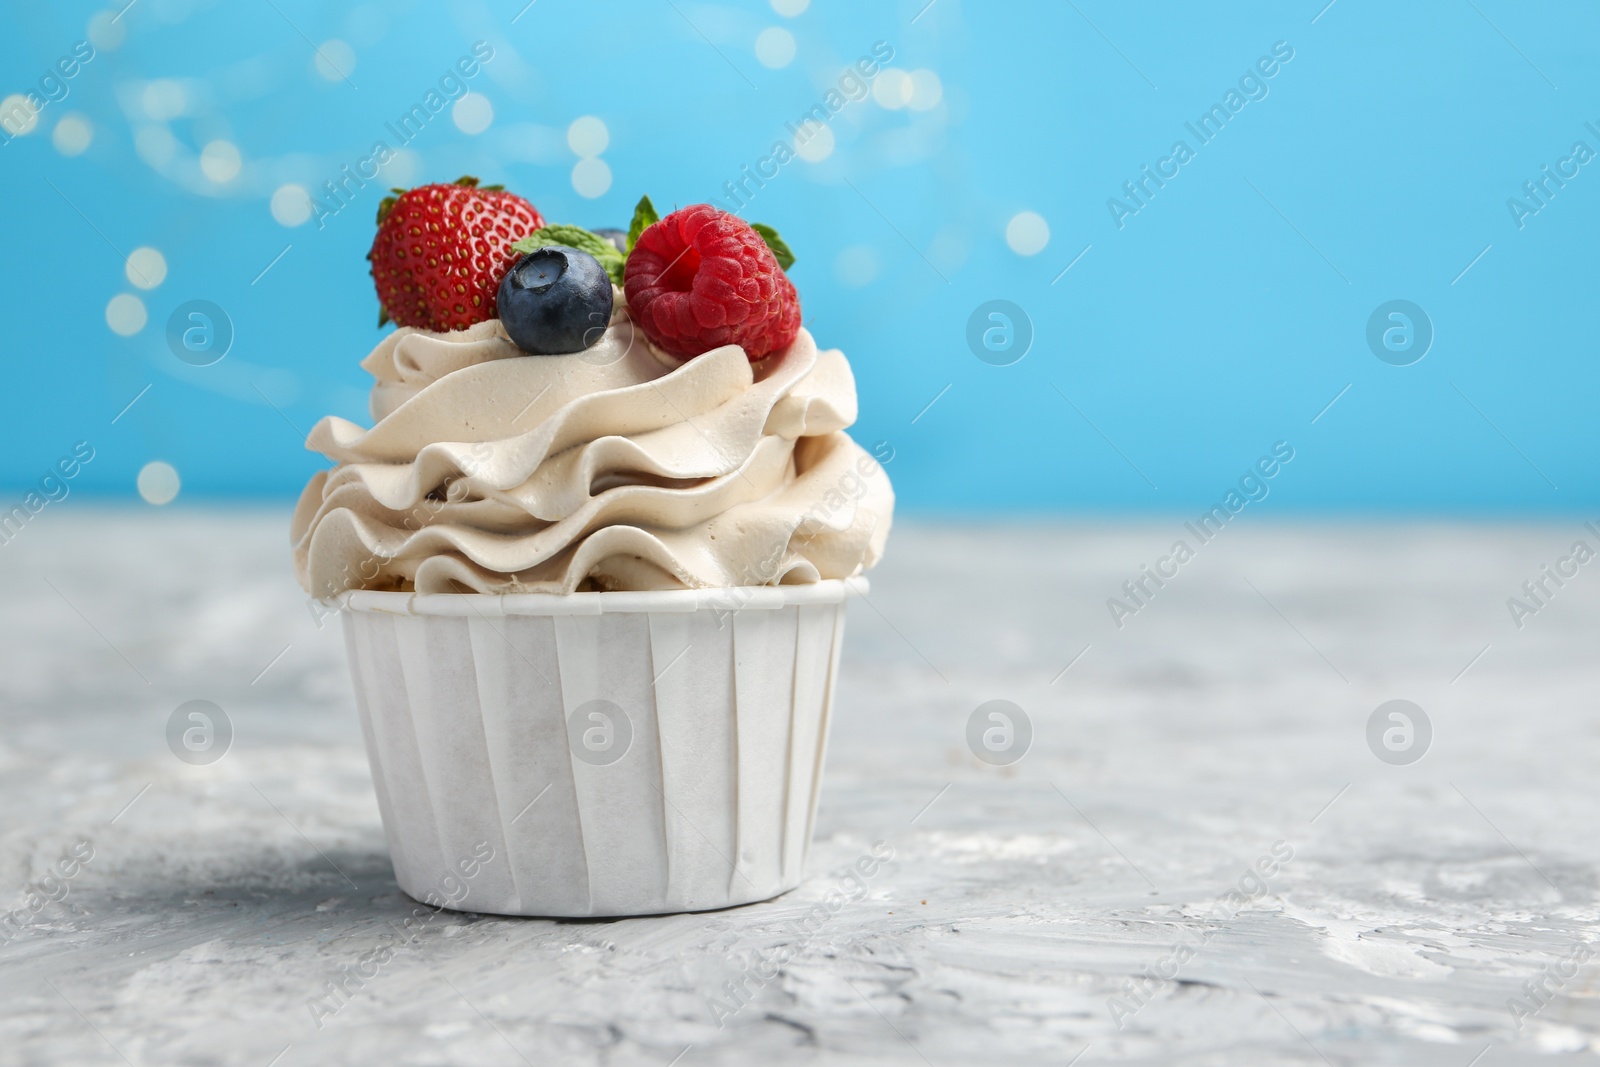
x,y
597,753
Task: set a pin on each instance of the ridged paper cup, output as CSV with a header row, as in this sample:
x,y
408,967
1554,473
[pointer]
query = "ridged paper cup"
x,y
597,754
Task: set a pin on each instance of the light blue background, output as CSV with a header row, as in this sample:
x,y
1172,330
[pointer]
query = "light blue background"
x,y
1214,324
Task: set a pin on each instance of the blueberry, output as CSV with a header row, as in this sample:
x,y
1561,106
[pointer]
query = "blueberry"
x,y
619,238
556,299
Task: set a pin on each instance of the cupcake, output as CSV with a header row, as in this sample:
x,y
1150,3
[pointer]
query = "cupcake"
x,y
592,556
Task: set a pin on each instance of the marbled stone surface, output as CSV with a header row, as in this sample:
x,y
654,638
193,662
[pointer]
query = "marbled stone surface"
x,y
1219,733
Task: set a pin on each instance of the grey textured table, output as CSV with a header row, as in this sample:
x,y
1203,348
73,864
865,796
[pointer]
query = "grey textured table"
x,y
1074,904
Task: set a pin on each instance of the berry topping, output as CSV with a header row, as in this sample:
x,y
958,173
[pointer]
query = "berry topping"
x,y
702,278
442,249
556,299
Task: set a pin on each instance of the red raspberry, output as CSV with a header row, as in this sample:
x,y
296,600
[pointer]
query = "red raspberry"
x,y
441,251
702,278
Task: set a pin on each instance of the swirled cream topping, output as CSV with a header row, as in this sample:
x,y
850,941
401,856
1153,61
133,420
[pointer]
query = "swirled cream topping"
x,y
490,470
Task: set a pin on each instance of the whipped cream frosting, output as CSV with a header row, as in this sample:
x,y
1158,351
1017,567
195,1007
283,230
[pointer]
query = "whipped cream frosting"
x,y
490,470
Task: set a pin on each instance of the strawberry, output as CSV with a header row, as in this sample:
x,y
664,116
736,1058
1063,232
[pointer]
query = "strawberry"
x,y
442,249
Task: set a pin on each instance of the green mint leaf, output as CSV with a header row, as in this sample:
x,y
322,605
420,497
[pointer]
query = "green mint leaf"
x,y
780,250
644,215
581,239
